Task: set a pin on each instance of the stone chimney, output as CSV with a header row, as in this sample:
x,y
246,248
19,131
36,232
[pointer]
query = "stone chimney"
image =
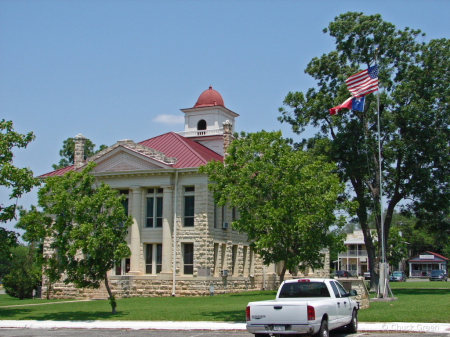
x,y
227,136
78,157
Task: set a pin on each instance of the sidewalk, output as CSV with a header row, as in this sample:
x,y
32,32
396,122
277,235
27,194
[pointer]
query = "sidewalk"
x,y
220,326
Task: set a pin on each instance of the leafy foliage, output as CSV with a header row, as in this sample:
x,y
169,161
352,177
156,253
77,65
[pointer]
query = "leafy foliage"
x,y
35,224
85,233
24,274
286,199
414,112
67,152
18,180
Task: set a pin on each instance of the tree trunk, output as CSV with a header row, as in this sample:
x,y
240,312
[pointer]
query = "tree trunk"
x,y
283,272
112,300
49,289
362,217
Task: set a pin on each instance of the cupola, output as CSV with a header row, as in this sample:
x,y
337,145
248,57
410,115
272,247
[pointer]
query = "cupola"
x,y
209,97
203,122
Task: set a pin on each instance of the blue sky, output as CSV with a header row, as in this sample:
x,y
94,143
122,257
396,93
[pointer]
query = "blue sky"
x,y
114,69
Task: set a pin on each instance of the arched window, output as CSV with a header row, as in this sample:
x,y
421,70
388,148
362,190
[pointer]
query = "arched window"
x,y
201,125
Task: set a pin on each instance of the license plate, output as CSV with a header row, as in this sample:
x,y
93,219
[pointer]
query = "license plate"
x,y
278,328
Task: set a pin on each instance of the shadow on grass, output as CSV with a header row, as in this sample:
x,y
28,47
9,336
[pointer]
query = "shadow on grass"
x,y
29,314
252,294
229,316
408,292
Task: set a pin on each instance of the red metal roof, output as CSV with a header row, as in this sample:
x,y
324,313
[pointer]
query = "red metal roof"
x,y
187,152
58,172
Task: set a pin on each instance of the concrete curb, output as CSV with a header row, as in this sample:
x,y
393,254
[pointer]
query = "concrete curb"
x,y
218,326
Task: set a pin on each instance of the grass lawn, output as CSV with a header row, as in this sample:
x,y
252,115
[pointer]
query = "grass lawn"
x,y
419,285
230,307
8,300
413,305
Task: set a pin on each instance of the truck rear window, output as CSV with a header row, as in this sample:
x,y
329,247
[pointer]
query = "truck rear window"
x,y
304,289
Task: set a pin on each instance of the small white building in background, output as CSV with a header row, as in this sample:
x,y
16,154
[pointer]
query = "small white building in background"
x,y
421,265
355,258
164,191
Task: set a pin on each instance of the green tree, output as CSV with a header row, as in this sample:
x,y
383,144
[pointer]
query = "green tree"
x,y
24,274
286,199
85,233
414,111
18,180
67,152
396,249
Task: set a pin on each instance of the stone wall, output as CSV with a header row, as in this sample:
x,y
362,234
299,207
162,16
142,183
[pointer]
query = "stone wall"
x,y
362,294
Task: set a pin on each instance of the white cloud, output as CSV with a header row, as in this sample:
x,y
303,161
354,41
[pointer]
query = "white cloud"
x,y
169,119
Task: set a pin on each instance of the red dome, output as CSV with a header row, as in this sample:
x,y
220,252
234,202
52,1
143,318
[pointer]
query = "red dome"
x,y
209,97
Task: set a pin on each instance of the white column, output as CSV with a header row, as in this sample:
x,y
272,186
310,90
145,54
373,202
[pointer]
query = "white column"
x,y
348,248
358,269
135,267
167,227
410,269
271,268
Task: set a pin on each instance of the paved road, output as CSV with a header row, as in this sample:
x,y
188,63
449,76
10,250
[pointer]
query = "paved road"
x,y
170,333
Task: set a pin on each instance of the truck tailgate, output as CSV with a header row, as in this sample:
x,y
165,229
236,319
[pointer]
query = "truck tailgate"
x,y
278,312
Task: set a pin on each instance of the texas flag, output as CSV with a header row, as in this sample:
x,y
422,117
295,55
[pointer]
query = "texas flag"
x,y
353,103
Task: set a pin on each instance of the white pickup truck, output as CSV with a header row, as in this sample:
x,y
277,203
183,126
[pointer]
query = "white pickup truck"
x,y
304,306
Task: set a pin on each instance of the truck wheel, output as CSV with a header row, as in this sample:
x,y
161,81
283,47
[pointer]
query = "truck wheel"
x,y
323,331
353,325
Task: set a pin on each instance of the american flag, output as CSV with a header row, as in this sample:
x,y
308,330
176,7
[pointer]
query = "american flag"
x,y
364,82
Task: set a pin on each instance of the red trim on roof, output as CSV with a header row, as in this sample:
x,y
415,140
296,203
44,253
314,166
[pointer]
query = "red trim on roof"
x,y
439,255
429,253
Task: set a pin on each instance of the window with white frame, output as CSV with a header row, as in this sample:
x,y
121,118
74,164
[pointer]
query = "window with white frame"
x,y
188,258
153,258
189,203
154,213
123,266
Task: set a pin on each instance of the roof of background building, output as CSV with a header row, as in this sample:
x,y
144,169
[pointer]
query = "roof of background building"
x,y
427,260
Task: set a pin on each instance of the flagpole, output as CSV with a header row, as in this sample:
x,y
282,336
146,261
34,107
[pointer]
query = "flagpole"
x,y
382,277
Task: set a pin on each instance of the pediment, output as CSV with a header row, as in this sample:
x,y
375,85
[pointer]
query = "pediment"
x,y
123,160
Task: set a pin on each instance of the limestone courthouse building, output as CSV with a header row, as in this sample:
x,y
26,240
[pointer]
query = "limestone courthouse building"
x,y
171,207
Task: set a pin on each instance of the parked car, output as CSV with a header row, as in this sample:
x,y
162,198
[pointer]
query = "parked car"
x,y
438,275
367,275
304,306
397,276
343,273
